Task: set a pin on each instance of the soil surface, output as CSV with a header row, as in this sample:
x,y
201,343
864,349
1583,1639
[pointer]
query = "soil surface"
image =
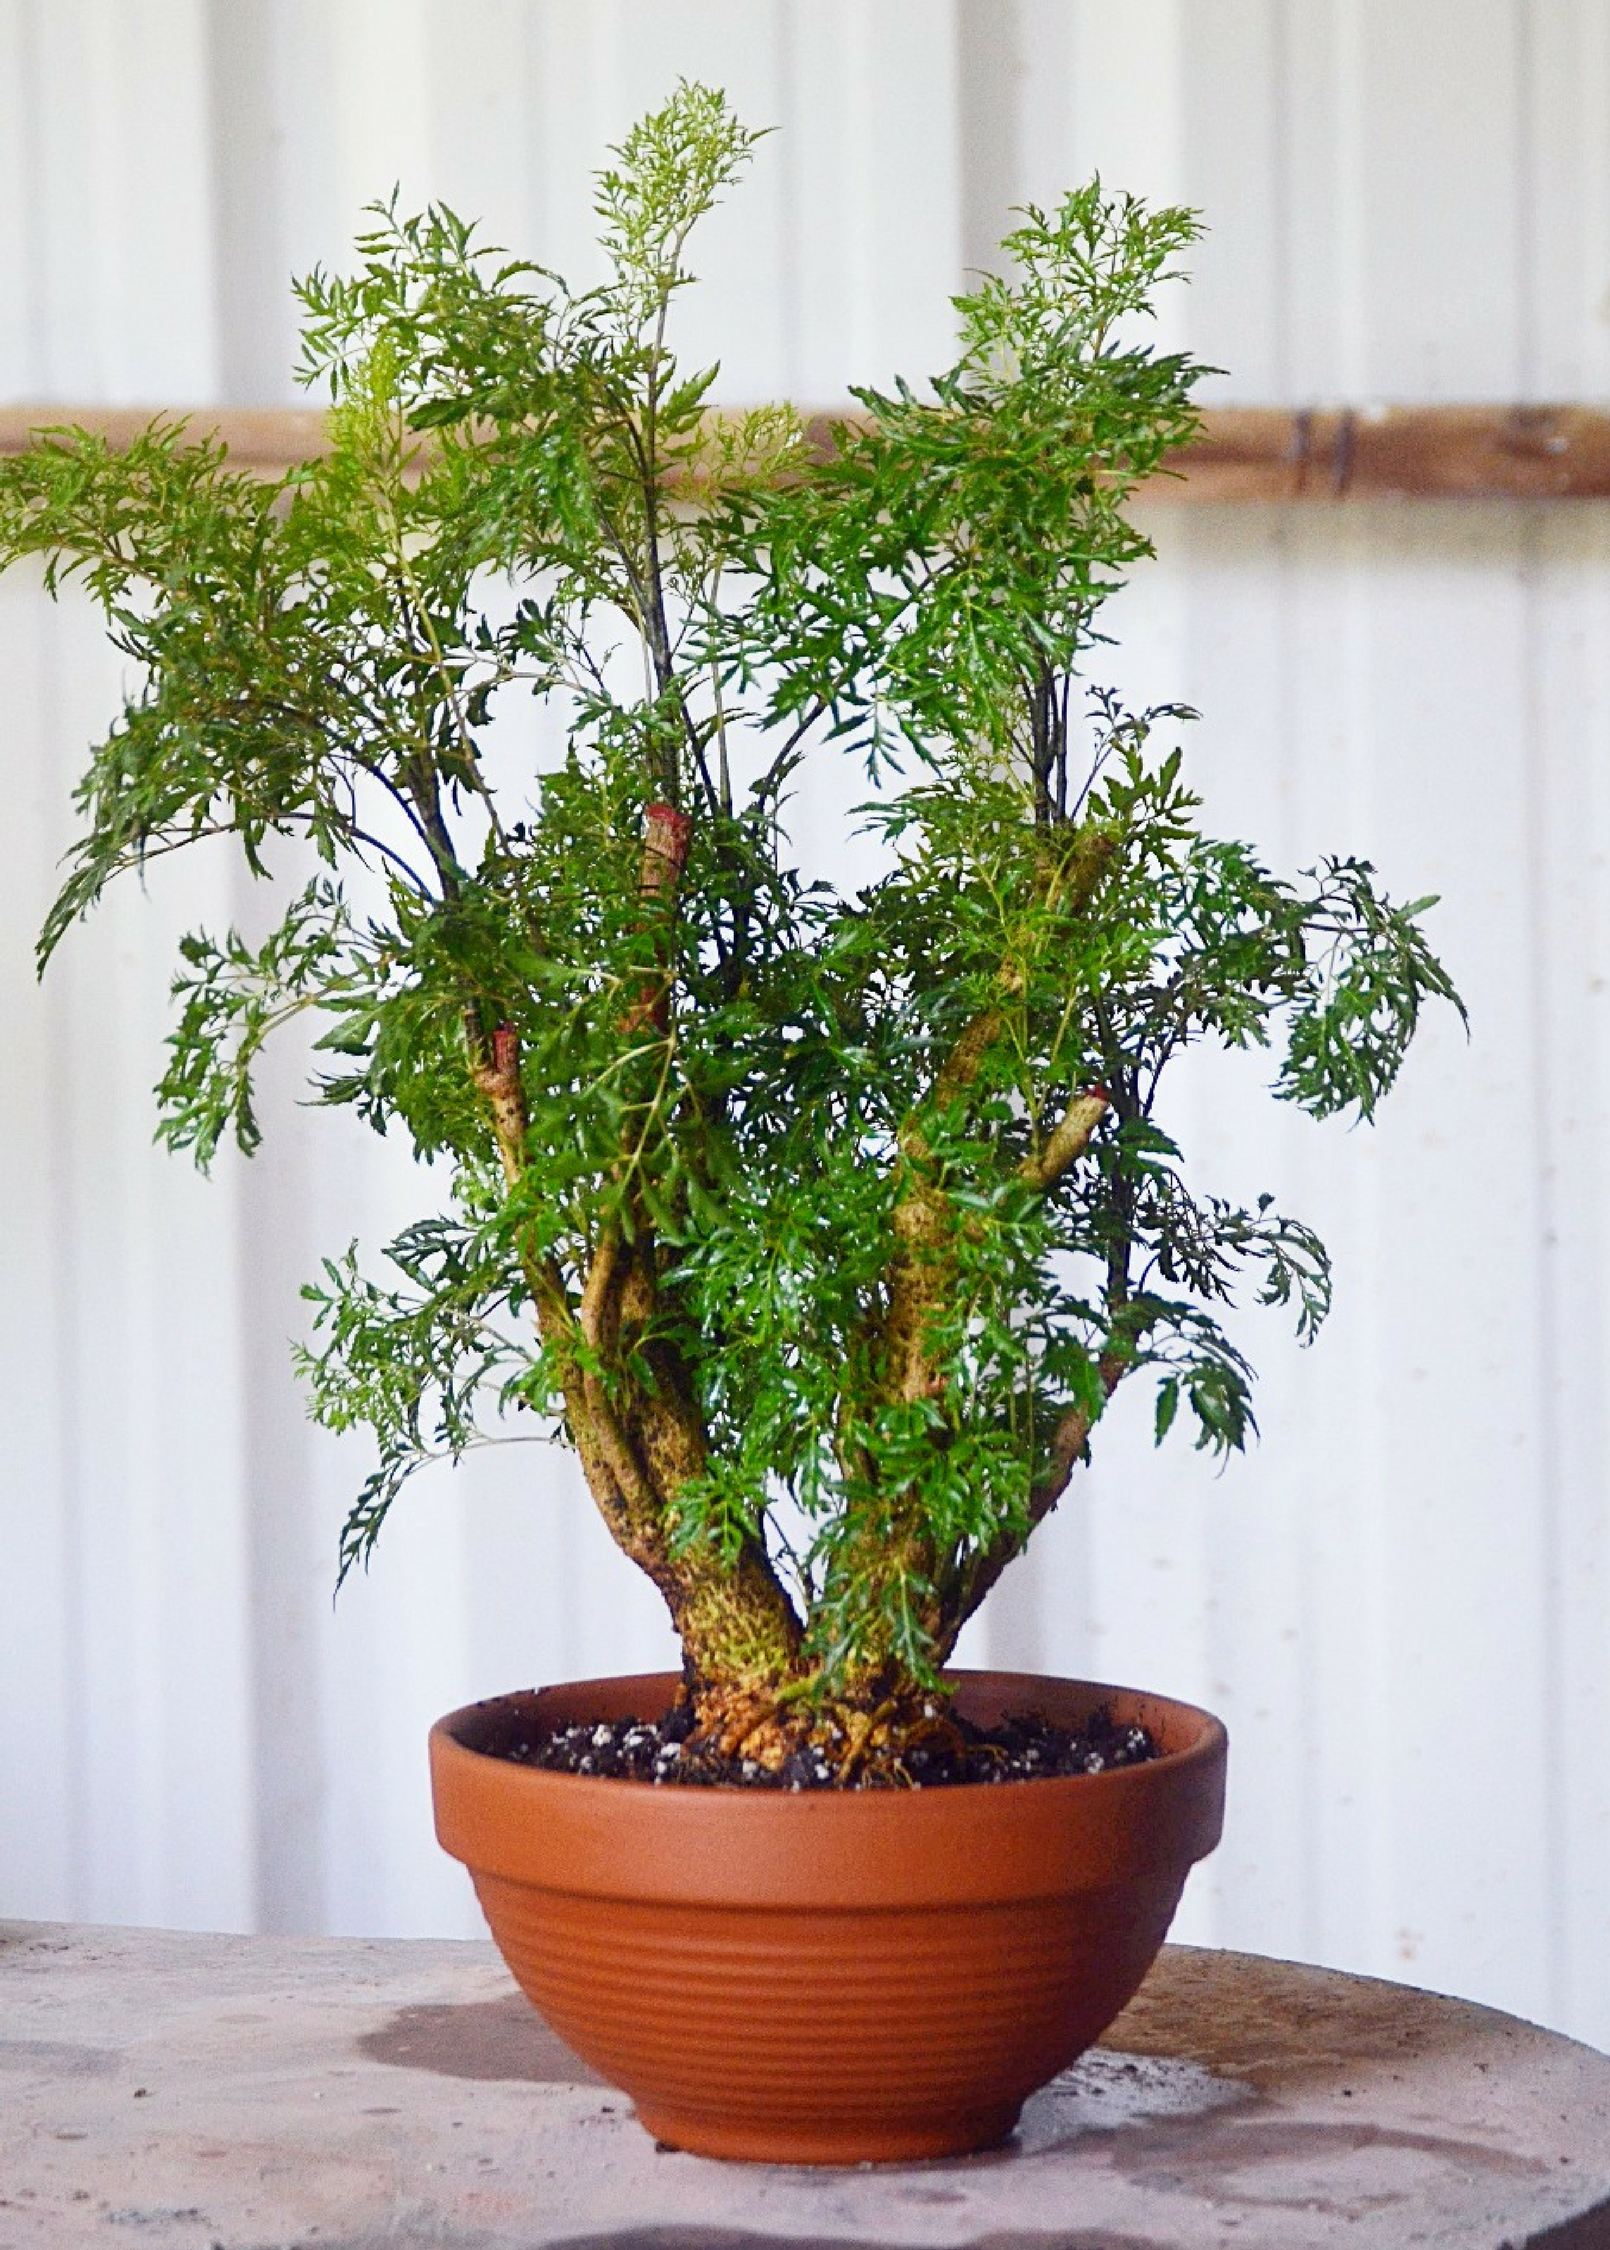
x,y
953,1750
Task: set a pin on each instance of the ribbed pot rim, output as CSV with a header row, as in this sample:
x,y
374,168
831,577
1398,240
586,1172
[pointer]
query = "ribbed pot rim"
x,y
829,1849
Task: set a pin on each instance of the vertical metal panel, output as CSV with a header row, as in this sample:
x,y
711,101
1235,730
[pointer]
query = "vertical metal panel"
x,y
1402,1600
121,1495
1400,204
40,1647
114,234
1568,1133
123,1384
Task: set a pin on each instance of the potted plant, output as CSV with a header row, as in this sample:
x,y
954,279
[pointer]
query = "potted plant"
x,y
822,1223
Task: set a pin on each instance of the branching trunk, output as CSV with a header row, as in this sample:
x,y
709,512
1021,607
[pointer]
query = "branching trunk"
x,y
632,1407
894,1549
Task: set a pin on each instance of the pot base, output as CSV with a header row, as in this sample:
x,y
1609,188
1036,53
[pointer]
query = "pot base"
x,y
844,2142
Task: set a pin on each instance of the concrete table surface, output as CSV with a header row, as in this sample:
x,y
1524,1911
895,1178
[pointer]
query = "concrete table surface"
x,y
223,2093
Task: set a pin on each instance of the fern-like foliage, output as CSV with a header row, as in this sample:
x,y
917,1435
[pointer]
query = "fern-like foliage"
x,y
837,1130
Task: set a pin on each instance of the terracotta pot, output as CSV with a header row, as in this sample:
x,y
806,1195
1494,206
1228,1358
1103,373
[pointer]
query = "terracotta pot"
x,y
826,1977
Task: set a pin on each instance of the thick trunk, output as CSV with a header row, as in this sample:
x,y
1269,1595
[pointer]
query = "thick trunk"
x,y
739,1631
736,1623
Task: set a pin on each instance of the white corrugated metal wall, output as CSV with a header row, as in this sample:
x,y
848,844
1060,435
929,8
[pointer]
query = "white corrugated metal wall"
x,y
1401,1603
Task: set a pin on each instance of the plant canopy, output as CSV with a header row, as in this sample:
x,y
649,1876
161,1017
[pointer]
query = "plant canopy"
x,y
823,1223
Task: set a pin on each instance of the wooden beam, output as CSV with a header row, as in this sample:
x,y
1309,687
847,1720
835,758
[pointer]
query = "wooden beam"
x,y
1268,453
1403,452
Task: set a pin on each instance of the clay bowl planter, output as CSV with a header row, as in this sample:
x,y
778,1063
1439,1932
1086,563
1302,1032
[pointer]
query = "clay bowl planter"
x,y
826,1977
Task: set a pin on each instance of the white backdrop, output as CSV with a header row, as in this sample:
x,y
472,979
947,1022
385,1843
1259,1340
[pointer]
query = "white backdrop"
x,y
1401,1602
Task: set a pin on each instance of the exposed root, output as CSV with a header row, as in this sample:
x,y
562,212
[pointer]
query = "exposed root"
x,y
860,1742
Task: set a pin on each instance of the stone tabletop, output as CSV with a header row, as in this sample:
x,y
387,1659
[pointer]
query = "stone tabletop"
x,y
226,2093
